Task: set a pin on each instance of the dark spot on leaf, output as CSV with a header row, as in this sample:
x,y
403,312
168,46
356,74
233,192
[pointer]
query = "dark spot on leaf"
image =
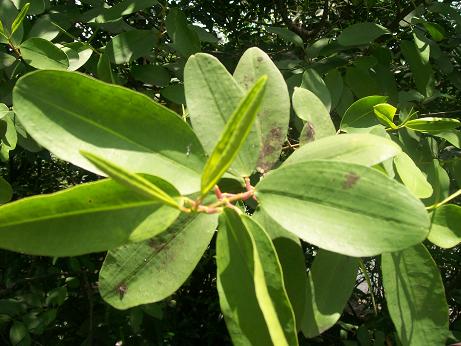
x,y
259,58
155,244
351,180
122,288
309,132
89,201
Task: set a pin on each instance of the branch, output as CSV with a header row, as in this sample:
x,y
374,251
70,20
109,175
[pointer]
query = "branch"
x,y
403,13
297,28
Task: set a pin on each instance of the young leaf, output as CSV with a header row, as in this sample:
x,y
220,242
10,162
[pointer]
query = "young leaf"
x,y
20,17
43,55
162,263
415,296
122,125
361,148
385,113
446,226
412,177
88,218
433,125
133,181
233,136
250,284
303,199
360,113
331,280
361,34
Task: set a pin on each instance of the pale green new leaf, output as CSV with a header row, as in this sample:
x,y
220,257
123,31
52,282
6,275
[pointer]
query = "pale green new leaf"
x,y
360,113
119,124
233,136
152,270
331,280
251,290
43,55
131,180
433,125
385,113
20,17
412,177
375,214
415,297
361,148
446,226
88,218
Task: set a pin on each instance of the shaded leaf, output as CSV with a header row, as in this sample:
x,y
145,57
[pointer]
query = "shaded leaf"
x,y
43,55
361,34
313,81
446,226
411,176
287,35
131,45
6,191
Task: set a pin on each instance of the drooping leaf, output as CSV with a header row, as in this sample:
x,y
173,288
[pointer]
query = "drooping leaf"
x,y
375,214
274,114
361,34
291,257
235,132
313,81
251,291
432,124
126,127
131,45
43,55
411,176
360,113
212,95
331,280
19,18
88,218
6,191
361,148
415,296
446,226
151,270
287,35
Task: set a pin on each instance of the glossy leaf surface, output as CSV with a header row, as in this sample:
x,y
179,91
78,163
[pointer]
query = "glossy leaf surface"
x,y
411,176
360,113
433,125
43,55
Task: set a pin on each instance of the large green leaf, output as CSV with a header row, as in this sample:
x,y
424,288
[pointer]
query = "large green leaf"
x,y
43,55
313,81
130,45
274,113
121,125
411,176
361,148
342,207
185,40
151,270
250,285
415,297
292,261
330,283
87,218
446,226
235,132
212,95
361,113
361,34
311,109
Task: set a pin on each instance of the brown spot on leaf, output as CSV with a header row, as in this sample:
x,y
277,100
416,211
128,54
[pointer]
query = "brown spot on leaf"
x,y
259,58
351,180
309,132
155,244
122,288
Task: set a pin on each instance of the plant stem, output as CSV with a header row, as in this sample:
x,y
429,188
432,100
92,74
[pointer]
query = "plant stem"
x,y
370,288
446,200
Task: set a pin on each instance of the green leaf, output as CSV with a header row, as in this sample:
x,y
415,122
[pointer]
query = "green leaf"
x,y
203,34
6,60
361,34
335,85
212,95
250,285
310,108
360,148
43,55
174,93
104,69
452,136
19,335
150,74
415,296
291,257
303,199
44,28
361,82
274,114
133,181
185,40
446,226
123,8
313,81
287,35
233,136
10,138
330,283
6,191
131,45
126,127
360,113
4,110
433,125
412,177
88,218
385,113
83,51
19,18
8,13
436,31
162,263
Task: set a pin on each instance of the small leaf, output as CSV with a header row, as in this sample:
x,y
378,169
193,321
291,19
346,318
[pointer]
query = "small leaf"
x,y
446,226
233,136
412,177
432,125
361,34
6,191
43,55
415,296
375,214
133,181
385,113
20,17
287,35
360,113
162,263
